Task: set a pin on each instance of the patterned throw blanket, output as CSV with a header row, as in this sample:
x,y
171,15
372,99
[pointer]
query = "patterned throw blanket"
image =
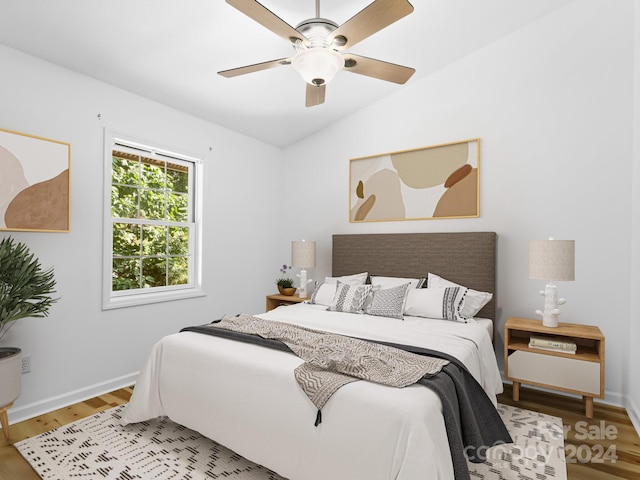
x,y
331,360
471,420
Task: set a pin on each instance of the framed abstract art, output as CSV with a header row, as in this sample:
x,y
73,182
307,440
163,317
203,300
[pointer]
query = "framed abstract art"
x,y
34,183
440,181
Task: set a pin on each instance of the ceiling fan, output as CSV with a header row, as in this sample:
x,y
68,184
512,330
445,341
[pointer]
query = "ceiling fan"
x,y
319,41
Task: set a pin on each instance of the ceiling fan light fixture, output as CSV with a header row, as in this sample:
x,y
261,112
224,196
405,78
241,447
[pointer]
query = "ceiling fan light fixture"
x,y
317,65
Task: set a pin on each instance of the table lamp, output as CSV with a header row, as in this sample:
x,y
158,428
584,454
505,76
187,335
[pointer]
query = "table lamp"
x,y
303,255
551,260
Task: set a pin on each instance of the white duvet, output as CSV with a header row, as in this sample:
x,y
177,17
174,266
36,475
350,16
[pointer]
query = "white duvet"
x,y
246,398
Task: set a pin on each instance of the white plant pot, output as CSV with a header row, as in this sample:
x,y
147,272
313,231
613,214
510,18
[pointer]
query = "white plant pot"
x,y
10,375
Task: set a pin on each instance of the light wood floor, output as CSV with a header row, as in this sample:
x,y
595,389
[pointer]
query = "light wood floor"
x,y
605,422
586,442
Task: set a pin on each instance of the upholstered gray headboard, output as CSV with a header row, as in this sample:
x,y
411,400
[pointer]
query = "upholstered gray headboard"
x,y
467,258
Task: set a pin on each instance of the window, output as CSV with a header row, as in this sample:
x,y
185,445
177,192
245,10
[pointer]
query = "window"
x,y
151,224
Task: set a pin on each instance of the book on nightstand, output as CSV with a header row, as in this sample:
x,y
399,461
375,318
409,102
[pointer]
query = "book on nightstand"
x,y
556,344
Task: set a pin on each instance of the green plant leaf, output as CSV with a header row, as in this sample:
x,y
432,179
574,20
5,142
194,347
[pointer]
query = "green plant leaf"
x,y
25,289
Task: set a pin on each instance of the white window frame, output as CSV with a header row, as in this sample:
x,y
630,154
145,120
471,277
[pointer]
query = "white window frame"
x,y
128,298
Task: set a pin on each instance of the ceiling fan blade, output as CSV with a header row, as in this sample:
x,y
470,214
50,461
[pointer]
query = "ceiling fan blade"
x,y
370,20
268,19
315,95
256,67
370,67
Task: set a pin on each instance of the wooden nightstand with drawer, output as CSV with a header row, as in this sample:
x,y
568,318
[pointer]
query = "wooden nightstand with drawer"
x,y
276,300
581,372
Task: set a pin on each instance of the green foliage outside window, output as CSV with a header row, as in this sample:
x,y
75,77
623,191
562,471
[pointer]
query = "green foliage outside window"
x,y
149,205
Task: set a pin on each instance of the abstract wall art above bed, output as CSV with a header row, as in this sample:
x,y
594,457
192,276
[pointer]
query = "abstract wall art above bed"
x,y
441,181
34,183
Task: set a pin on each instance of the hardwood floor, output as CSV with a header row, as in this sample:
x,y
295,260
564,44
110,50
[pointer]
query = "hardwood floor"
x,y
590,444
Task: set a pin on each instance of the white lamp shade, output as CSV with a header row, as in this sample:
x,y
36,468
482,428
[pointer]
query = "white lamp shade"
x,y
317,65
303,254
552,260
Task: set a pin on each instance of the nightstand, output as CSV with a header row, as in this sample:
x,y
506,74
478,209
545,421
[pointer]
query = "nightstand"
x,y
581,372
277,300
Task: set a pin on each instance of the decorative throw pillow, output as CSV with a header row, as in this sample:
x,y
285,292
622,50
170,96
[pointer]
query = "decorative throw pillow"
x,y
441,303
388,282
323,294
349,298
357,279
388,302
473,300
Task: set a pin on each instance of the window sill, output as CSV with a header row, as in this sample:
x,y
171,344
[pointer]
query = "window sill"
x,y
150,298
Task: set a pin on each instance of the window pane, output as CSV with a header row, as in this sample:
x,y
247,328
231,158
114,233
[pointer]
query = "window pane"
x,y
124,171
177,206
125,274
124,201
152,204
154,240
153,175
178,270
178,240
126,240
177,178
154,272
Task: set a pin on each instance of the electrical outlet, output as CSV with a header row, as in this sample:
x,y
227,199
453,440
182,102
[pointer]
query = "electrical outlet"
x,y
26,363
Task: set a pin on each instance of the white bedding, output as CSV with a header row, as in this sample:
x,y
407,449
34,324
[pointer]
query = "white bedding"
x,y
246,398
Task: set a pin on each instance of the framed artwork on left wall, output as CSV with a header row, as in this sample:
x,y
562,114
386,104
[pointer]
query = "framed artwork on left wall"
x,y
34,183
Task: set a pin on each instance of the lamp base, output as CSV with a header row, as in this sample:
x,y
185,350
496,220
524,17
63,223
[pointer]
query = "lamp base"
x,y
302,289
551,301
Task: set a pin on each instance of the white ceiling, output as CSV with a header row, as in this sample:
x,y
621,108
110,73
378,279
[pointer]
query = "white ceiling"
x,y
170,50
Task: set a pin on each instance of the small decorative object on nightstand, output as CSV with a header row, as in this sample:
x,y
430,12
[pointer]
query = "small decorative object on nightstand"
x,y
274,301
285,283
557,365
551,260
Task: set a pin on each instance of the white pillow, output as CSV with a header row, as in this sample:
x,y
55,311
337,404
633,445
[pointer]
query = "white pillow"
x,y
349,298
387,302
441,303
473,301
357,279
323,294
388,282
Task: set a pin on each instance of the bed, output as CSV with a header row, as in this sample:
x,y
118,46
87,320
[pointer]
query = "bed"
x,y
245,397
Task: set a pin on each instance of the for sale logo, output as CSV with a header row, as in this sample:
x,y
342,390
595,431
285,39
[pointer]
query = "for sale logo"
x,y
591,452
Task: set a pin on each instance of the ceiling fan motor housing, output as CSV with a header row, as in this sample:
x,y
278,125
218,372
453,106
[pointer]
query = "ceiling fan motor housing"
x,y
317,30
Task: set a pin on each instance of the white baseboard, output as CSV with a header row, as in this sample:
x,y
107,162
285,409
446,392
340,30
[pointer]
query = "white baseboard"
x,y
633,412
31,410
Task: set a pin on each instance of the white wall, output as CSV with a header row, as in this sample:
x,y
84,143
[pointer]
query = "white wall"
x,y
552,104
79,350
632,377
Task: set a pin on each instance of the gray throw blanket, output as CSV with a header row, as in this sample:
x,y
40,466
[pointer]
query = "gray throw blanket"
x,y
331,360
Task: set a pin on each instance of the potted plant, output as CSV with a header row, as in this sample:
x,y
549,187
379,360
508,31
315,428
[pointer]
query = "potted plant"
x,y
24,292
285,282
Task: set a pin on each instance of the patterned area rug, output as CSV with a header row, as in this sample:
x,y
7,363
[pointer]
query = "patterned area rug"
x,y
98,447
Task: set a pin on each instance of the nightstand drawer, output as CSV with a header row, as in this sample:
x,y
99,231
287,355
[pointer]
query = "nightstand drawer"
x,y
565,373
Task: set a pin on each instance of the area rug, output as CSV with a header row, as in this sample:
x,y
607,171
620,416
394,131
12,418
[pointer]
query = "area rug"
x,y
98,447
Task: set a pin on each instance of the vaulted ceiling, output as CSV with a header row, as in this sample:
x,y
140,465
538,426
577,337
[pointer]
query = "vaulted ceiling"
x,y
170,51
